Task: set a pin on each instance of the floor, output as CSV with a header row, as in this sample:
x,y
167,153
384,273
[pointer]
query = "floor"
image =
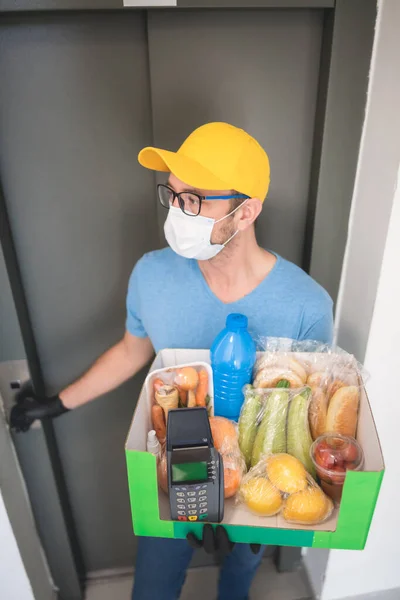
x,y
201,583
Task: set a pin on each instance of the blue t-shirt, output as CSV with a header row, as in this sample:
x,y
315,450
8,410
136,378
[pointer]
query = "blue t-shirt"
x,y
170,302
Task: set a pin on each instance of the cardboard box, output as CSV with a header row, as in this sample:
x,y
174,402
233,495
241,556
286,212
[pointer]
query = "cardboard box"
x,y
347,528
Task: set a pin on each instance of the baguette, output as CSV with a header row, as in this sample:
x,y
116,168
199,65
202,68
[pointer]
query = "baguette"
x,y
317,412
343,411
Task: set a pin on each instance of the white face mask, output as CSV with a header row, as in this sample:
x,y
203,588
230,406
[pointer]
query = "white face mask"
x,y
191,236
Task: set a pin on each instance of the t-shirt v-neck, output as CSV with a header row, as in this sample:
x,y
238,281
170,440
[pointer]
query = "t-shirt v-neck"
x,y
265,281
170,301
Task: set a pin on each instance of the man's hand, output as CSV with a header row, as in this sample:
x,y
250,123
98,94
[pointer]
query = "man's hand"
x,y
216,541
30,407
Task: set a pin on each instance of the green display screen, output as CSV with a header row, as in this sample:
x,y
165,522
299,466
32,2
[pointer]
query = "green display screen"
x,y
192,471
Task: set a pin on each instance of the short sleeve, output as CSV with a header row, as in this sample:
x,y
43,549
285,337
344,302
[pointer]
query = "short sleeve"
x,y
134,322
321,330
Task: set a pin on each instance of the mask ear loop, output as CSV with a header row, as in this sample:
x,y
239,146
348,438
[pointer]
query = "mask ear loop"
x,y
233,211
228,215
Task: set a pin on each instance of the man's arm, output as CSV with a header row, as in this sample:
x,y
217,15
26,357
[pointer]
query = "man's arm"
x,y
113,368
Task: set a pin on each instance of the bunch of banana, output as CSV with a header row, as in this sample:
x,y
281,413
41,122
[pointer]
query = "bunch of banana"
x,y
282,427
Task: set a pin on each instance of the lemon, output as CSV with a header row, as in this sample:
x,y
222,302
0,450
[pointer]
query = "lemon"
x,y
286,473
307,507
261,497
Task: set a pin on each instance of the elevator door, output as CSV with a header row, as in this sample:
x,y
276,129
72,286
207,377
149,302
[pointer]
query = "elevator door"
x,y
81,94
75,111
257,70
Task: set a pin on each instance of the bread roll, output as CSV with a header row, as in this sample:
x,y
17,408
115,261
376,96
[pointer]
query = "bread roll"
x,y
281,364
317,412
319,378
334,386
269,377
297,368
343,411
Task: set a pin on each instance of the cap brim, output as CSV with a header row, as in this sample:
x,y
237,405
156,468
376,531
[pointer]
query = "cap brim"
x,y
186,169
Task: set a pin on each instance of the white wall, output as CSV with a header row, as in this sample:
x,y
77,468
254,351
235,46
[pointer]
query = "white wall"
x,y
374,241
377,567
14,583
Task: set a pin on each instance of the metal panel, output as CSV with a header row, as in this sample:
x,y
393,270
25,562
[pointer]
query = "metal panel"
x,y
337,152
56,5
50,498
255,69
74,112
14,491
66,5
11,346
256,3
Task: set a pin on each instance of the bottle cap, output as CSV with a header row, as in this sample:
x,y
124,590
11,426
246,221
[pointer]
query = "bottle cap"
x,y
236,321
153,445
151,436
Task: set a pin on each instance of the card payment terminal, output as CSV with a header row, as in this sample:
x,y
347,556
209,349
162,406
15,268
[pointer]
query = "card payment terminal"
x,y
195,468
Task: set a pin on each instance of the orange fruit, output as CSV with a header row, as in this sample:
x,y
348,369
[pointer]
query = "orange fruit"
x,y
286,473
261,497
307,507
223,432
232,478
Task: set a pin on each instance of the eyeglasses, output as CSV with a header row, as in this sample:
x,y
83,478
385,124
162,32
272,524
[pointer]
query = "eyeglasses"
x,y
189,202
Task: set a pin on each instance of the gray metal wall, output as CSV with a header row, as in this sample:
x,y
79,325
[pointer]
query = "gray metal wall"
x,y
75,110
258,70
11,347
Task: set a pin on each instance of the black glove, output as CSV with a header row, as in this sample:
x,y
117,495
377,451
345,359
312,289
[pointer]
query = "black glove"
x,y
216,541
30,407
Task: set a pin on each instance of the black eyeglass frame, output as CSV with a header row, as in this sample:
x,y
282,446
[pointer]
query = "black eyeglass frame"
x,y
181,202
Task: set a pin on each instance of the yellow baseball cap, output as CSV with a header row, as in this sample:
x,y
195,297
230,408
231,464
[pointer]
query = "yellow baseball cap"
x,y
216,156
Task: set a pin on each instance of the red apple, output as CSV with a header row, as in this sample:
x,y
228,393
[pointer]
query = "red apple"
x,y
349,453
339,478
324,456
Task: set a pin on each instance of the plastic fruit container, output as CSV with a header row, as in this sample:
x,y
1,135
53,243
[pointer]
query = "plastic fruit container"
x,y
334,454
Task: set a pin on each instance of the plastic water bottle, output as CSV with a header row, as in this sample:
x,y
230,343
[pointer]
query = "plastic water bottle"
x,y
233,355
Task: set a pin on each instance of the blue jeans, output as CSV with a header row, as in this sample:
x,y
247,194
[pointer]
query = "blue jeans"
x,y
161,566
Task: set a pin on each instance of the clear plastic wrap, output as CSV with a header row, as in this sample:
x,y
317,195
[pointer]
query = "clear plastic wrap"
x,y
183,386
334,376
273,421
333,455
162,471
225,437
301,359
279,483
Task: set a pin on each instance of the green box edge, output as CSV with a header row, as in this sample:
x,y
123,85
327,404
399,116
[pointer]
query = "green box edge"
x,y
360,495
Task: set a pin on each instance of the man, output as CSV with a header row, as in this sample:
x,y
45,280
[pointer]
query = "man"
x,y
180,297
